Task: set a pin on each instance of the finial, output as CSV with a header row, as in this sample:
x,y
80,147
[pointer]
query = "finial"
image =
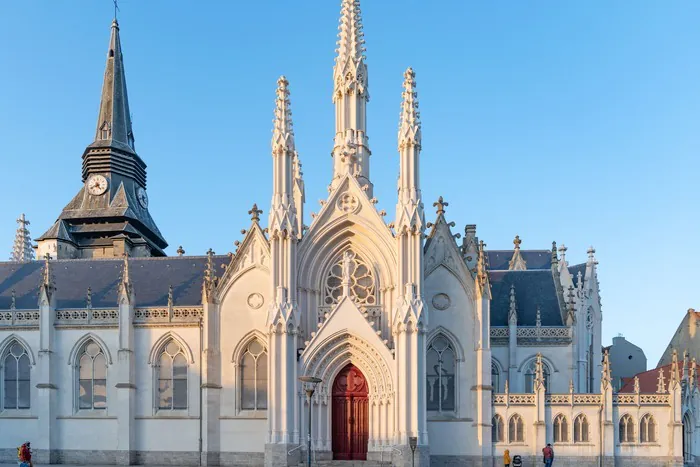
x,y
13,300
350,71
47,275
507,389
88,298
513,311
636,385
606,379
661,382
517,262
180,251
571,386
591,256
409,118
210,280
539,373
170,296
674,368
555,259
517,242
440,204
22,250
255,213
481,264
692,372
538,319
283,128
125,288
562,253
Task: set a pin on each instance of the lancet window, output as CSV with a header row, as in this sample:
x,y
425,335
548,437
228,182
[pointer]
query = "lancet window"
x,y
497,429
253,371
16,387
561,429
647,429
516,429
363,286
495,378
92,378
626,429
441,375
581,429
172,377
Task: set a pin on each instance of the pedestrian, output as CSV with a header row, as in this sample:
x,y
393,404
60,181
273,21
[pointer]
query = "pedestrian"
x,y
506,458
548,455
25,455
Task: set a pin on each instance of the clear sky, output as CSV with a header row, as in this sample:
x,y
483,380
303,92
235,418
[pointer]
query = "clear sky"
x,y
569,121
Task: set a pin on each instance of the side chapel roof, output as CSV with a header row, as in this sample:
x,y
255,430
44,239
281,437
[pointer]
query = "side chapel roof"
x,y
151,278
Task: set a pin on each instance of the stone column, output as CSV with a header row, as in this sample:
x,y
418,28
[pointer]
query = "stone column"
x,y
44,446
126,374
211,384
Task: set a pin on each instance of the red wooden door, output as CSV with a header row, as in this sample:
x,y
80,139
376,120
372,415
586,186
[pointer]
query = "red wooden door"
x,y
350,414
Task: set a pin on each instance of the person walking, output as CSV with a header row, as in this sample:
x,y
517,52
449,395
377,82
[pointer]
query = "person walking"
x,y
25,455
506,458
548,455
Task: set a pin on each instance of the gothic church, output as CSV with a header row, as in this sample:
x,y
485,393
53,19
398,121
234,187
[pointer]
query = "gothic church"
x,y
113,353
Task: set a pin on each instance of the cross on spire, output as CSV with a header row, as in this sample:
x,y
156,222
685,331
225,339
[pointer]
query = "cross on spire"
x,y
116,8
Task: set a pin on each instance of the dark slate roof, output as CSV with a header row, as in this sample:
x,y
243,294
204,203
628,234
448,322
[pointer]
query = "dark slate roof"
x,y
532,288
150,277
535,259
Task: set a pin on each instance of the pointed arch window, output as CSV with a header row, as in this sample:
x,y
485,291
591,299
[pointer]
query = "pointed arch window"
x,y
441,375
581,429
647,429
362,282
16,377
516,429
561,429
253,371
497,429
495,378
105,130
530,376
92,377
687,438
626,429
172,377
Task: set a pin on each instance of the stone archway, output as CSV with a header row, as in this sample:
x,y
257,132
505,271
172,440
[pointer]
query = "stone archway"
x,y
350,414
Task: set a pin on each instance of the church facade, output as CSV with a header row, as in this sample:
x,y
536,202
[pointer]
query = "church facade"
x,y
113,353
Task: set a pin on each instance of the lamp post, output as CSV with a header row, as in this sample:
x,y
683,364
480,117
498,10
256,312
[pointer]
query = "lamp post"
x,y
413,442
310,382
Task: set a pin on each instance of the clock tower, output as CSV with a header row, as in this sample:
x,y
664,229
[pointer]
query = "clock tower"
x,y
109,216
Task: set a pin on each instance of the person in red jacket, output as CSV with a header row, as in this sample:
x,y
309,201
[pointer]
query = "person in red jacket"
x,y
548,454
26,454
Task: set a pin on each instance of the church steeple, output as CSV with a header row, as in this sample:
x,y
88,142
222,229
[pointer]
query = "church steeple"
x,y
350,96
114,119
109,216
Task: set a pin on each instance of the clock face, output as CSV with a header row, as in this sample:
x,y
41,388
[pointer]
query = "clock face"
x,y
142,197
97,185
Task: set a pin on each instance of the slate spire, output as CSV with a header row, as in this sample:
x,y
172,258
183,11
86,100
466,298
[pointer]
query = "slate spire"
x,y
114,119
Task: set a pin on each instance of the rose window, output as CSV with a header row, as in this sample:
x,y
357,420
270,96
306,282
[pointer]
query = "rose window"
x,y
362,283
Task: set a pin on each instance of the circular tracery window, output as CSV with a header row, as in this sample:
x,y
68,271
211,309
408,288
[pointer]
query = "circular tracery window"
x,y
362,284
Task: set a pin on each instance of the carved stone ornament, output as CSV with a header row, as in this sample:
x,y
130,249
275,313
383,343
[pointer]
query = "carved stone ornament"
x,y
348,203
255,300
441,301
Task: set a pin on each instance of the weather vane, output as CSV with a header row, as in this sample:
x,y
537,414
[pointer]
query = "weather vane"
x,y
116,8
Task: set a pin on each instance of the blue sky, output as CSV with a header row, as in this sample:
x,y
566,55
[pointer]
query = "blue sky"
x,y
568,121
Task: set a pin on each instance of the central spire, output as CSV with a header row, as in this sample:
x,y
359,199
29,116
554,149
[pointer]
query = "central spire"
x,y
350,96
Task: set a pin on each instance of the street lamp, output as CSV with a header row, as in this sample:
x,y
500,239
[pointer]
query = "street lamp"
x,y
310,382
413,442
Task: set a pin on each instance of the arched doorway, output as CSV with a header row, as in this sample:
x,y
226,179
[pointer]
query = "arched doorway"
x,y
350,414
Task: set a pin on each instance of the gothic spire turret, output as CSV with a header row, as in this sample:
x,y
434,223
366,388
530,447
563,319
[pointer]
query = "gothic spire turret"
x,y
350,96
22,250
409,209
282,208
